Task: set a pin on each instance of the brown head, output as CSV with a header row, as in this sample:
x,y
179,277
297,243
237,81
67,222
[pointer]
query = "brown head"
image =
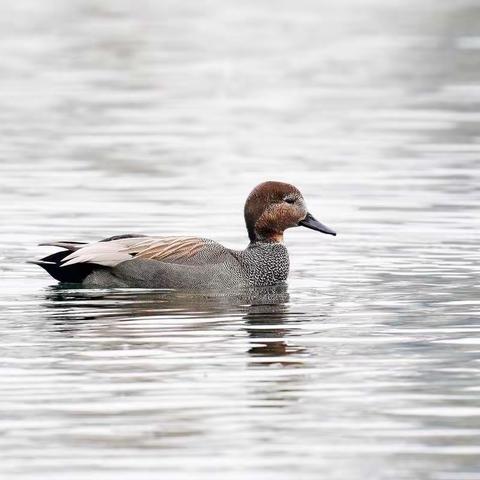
x,y
272,207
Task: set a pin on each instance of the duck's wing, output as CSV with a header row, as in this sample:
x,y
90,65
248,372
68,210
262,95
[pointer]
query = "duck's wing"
x,y
113,251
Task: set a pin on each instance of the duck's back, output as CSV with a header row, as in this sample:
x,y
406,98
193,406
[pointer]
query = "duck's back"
x,y
172,262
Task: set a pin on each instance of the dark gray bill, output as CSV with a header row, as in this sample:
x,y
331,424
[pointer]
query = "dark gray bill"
x,y
310,222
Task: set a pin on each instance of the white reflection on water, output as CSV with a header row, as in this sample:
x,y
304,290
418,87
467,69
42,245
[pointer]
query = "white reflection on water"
x,y
159,117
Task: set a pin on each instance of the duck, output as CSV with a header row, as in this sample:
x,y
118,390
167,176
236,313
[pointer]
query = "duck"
x,y
189,262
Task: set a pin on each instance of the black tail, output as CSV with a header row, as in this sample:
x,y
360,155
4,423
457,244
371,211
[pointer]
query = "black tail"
x,y
75,273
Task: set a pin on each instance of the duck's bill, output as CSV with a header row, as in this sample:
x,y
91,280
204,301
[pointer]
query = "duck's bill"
x,y
310,222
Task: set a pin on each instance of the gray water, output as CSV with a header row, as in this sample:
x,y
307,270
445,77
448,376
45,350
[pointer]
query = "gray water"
x,y
159,117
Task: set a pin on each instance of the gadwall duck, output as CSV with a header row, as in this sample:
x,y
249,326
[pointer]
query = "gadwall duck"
x,y
190,262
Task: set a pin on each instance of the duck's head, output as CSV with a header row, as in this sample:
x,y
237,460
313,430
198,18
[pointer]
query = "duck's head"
x,y
272,207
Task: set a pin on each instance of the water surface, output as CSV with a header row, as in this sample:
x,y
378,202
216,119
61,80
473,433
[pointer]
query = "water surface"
x,y
159,118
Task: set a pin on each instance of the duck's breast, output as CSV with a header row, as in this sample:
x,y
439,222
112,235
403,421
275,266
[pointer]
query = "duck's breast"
x,y
265,263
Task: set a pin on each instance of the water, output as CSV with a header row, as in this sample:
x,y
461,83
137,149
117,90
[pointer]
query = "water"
x,y
159,117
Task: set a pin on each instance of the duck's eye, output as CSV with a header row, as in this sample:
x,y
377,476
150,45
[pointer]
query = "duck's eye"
x,y
290,200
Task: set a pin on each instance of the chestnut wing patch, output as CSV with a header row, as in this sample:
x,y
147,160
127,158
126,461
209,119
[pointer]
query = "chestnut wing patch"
x,y
169,249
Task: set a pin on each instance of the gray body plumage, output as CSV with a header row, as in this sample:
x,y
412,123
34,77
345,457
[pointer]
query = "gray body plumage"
x,y
212,267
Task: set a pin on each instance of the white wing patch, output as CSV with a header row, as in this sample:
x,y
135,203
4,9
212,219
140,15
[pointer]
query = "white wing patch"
x,y
107,254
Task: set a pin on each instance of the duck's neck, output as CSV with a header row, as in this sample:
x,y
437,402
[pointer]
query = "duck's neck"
x,y
270,237
266,241
267,234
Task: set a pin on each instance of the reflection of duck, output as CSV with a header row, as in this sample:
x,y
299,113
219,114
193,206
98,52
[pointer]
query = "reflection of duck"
x,y
131,304
189,262
264,310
